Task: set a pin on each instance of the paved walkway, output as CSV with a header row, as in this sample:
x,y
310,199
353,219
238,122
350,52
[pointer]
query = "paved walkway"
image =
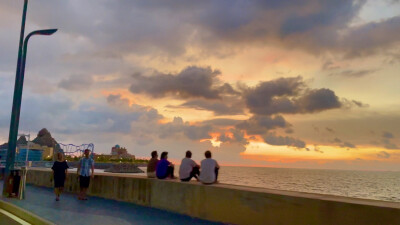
x,y
99,211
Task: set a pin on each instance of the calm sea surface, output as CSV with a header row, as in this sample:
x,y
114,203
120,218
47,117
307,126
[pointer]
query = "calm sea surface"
x,y
378,185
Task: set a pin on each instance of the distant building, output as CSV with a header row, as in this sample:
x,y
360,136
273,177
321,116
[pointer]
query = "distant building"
x,y
118,152
35,152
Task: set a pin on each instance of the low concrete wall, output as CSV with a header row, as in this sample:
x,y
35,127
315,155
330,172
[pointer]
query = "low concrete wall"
x,y
233,204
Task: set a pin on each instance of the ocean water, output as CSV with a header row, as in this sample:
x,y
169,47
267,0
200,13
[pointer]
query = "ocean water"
x,y
377,185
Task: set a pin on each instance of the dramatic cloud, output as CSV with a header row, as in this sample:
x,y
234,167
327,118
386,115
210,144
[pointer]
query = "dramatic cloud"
x,y
117,100
389,145
347,144
387,135
273,139
343,144
257,125
383,155
288,95
190,82
354,73
234,136
337,140
76,82
359,104
221,122
368,38
219,107
177,127
330,130
100,44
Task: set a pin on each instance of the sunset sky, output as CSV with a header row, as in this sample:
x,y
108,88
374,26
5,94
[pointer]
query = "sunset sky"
x,y
307,83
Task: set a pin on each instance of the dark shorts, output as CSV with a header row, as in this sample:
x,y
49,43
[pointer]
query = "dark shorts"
x,y
84,181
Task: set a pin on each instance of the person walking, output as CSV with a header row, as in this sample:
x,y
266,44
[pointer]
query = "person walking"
x,y
84,166
60,170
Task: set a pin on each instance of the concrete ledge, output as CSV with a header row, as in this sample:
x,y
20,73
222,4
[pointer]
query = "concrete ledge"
x,y
23,214
230,203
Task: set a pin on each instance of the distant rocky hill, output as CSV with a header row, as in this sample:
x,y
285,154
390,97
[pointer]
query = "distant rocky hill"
x,y
43,138
22,141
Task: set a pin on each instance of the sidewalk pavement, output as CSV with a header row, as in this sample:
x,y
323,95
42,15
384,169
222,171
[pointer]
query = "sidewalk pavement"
x,y
97,211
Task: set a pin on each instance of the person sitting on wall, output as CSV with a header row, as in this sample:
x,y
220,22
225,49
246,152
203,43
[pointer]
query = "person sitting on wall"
x,y
188,168
164,167
151,166
84,166
209,169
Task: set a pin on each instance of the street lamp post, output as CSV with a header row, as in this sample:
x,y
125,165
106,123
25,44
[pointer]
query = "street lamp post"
x,y
16,107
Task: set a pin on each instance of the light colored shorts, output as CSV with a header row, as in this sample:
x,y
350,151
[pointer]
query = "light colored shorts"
x,y
151,174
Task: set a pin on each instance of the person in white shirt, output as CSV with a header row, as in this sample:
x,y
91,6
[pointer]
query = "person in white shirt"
x,y
209,169
188,168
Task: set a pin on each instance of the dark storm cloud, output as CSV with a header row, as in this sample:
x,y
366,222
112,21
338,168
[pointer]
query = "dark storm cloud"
x,y
170,26
274,139
383,155
219,108
329,65
318,100
347,144
190,82
389,145
117,99
282,95
177,126
387,134
330,130
354,73
317,149
337,140
237,137
257,125
368,38
289,131
359,104
221,122
329,14
343,144
289,95
76,82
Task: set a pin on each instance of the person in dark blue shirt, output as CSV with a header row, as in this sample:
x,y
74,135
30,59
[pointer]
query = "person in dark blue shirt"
x,y
59,168
164,167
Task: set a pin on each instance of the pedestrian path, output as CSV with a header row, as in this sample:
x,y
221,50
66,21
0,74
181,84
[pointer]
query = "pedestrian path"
x,y
99,211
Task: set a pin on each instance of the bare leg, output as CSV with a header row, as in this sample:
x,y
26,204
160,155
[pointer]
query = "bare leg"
x,y
80,197
84,190
57,191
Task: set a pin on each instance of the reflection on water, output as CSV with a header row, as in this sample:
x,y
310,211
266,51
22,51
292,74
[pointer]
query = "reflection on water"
x,y
378,185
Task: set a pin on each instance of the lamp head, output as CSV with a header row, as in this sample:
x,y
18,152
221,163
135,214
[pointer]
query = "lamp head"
x,y
46,32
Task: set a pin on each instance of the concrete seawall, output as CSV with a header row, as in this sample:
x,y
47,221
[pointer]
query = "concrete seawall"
x,y
232,204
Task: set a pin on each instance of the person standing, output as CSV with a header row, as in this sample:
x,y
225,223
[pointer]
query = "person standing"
x,y
85,165
60,170
209,169
164,167
151,166
188,168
